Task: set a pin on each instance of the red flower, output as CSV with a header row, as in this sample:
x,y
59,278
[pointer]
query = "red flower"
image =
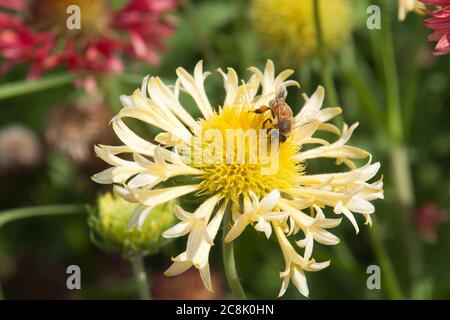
x,y
36,31
440,24
428,217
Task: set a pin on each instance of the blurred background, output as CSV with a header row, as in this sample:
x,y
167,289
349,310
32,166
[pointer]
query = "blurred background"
x,y
55,107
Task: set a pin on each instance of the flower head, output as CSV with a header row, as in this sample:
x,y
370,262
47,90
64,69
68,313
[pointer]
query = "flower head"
x,y
42,37
292,32
74,127
109,226
428,218
440,24
20,149
233,158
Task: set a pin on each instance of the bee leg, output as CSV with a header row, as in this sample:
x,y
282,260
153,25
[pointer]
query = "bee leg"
x,y
266,121
262,109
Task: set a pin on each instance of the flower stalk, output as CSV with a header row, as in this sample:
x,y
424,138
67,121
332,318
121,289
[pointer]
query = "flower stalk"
x,y
390,279
327,74
353,71
19,88
403,184
400,164
402,176
140,277
230,263
391,83
8,216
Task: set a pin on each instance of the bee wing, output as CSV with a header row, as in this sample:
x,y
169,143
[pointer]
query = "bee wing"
x,y
306,116
281,92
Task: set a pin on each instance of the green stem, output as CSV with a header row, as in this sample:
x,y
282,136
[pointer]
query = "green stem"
x,y
366,96
229,262
29,86
202,40
410,92
141,278
304,77
401,173
327,74
353,70
402,176
8,216
391,84
387,270
240,25
400,164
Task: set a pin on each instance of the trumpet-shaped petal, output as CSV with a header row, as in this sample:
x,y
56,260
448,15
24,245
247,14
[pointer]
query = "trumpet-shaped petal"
x,y
259,213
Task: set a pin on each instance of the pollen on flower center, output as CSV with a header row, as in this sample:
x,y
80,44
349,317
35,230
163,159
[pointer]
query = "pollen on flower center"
x,y
249,164
53,15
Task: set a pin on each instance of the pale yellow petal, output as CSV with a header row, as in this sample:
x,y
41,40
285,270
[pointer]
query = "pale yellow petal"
x,y
231,84
180,265
194,86
238,227
159,196
168,100
206,277
178,230
299,280
284,286
311,109
104,177
131,139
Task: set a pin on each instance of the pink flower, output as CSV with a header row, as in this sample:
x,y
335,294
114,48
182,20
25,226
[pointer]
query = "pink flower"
x,y
428,217
36,32
440,24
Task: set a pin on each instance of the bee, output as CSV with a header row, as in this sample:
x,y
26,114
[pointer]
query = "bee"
x,y
282,116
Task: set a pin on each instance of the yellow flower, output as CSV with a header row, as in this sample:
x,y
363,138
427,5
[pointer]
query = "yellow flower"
x,y
406,6
233,158
287,27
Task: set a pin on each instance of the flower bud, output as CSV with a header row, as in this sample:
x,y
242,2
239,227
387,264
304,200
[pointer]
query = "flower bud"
x,y
110,231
